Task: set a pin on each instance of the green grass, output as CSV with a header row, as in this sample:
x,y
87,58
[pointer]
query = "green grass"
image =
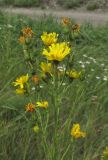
x,y
17,139
92,6
70,3
22,3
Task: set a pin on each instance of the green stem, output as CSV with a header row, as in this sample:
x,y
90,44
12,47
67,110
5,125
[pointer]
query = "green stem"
x,y
45,145
66,151
56,111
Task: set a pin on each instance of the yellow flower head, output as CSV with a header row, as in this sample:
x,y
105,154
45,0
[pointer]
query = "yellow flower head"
x,y
21,81
20,91
73,74
76,28
57,52
30,107
105,152
46,67
65,21
22,39
43,104
36,128
27,32
49,38
76,132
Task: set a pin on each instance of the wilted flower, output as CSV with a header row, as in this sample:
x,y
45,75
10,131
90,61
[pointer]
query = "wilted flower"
x,y
73,74
21,81
57,52
76,132
30,107
36,79
65,21
76,28
49,38
27,32
43,104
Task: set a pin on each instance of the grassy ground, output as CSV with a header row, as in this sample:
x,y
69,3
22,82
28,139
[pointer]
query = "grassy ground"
x,y
90,4
85,102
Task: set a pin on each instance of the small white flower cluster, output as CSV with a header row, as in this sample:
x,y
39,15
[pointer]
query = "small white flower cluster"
x,y
9,26
90,60
62,68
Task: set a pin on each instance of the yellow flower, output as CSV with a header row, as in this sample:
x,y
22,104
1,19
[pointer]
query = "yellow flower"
x,y
65,21
43,104
105,152
73,74
22,39
21,81
20,91
30,107
49,38
76,133
36,128
57,52
46,67
27,32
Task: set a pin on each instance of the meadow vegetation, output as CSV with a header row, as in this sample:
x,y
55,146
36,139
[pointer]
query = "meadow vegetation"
x,y
56,114
88,4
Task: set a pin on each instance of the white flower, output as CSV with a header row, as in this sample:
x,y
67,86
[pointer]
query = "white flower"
x,y
80,62
105,69
41,86
84,55
87,62
9,26
63,84
97,77
92,70
94,61
91,58
61,68
33,88
105,78
102,64
83,66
